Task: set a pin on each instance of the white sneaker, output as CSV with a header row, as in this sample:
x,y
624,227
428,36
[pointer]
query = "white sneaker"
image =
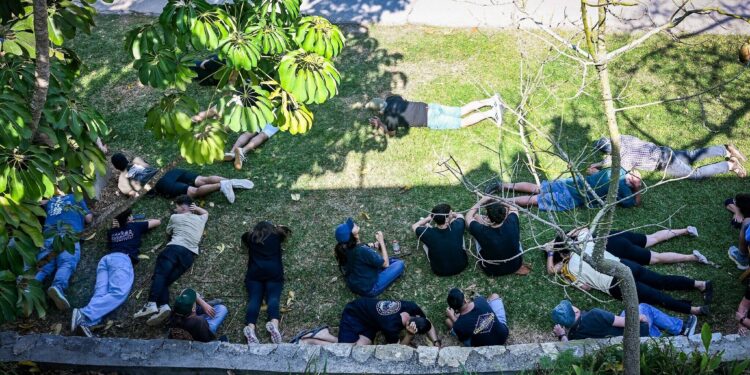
x,y
57,296
693,231
242,183
160,317
498,107
226,188
228,156
148,309
75,320
701,258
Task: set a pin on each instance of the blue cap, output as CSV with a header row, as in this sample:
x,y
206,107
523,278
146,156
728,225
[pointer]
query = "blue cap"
x,y
563,314
604,145
343,231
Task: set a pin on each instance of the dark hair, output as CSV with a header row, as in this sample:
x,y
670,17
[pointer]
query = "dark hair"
x,y
262,230
456,299
123,217
603,145
120,161
423,324
742,201
440,213
341,250
561,249
183,200
496,212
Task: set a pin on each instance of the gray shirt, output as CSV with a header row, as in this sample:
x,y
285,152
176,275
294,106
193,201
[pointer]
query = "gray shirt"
x,y
186,230
638,154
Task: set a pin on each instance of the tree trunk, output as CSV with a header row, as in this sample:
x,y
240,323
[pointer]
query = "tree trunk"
x,y
631,339
41,36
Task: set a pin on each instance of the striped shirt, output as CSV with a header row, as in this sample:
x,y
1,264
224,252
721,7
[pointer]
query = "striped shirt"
x,y
638,154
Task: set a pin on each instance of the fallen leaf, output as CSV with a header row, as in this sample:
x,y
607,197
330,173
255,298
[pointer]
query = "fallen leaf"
x,y
138,295
333,279
56,328
364,215
109,325
211,204
143,256
90,237
221,248
295,197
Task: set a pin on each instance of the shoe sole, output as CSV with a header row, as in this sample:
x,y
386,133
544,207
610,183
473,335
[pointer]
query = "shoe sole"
x,y
60,302
739,265
139,315
73,320
271,332
737,153
237,159
247,337
158,319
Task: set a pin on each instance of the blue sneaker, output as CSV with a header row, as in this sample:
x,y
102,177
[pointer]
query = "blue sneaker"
x,y
738,258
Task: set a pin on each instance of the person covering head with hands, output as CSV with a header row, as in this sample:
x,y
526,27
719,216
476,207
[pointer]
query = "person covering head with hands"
x,y
497,237
476,322
443,243
363,318
199,318
185,229
368,271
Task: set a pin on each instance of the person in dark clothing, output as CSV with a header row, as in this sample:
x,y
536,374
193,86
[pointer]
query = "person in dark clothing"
x,y
114,274
598,323
743,313
264,277
444,243
367,273
477,322
196,316
397,112
363,318
497,238
206,70
739,206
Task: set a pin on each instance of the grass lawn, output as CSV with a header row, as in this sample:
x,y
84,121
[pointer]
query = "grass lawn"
x,y
341,169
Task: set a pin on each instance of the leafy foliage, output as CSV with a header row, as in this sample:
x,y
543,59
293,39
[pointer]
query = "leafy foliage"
x,y
274,63
60,152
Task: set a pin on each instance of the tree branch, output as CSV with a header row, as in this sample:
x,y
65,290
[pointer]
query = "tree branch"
x,y
41,73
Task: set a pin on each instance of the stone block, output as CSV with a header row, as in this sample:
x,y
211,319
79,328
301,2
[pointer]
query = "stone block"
x,y
362,353
261,349
549,349
308,353
490,353
394,352
338,350
427,355
453,356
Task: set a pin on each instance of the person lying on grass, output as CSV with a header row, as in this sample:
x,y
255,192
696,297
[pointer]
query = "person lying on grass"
x,y
636,154
649,284
264,278
114,274
739,206
443,243
743,313
363,318
597,323
476,322
367,272
497,237
185,229
568,193
739,254
634,246
64,213
135,176
396,112
200,319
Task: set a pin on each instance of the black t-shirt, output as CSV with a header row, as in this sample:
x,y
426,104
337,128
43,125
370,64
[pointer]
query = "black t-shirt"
x,y
363,265
480,325
264,260
446,247
127,239
597,324
399,112
196,325
499,243
382,315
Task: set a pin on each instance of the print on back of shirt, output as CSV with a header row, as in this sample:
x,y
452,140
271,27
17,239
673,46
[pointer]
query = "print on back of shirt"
x,y
484,323
386,308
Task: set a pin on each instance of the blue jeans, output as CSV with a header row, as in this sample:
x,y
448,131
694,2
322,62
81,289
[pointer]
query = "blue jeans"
x,y
114,278
220,312
387,277
682,162
440,117
256,290
658,321
63,265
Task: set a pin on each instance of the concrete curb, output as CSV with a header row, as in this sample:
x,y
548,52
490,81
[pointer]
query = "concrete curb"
x,y
131,356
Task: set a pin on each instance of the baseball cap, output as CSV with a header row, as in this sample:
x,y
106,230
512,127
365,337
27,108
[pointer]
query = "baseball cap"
x,y
343,231
183,305
563,314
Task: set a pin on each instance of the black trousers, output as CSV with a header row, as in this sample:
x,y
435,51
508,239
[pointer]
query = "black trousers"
x,y
171,263
650,286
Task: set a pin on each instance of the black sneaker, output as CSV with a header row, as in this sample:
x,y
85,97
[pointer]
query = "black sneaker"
x,y
708,293
688,326
704,310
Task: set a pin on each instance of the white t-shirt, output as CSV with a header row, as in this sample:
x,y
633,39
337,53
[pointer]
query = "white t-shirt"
x,y
586,274
186,230
588,248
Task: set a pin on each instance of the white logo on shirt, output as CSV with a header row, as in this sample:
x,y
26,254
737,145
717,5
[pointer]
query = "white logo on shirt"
x,y
388,307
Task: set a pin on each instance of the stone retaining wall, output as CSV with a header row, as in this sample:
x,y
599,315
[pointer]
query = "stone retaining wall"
x,y
183,357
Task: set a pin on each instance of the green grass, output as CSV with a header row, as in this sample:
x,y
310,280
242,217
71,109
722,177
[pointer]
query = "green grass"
x,y
341,169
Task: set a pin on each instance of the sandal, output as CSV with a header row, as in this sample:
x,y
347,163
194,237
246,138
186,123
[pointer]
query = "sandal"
x,y
250,336
275,334
524,270
304,334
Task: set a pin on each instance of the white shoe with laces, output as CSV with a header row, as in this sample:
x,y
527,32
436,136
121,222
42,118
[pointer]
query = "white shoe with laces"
x,y
693,231
148,309
700,257
226,188
242,183
160,317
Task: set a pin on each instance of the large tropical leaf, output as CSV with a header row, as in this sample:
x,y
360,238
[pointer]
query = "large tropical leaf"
x,y
18,38
208,28
27,174
204,144
239,50
278,10
293,117
272,39
317,34
14,118
144,39
309,77
247,108
164,69
171,116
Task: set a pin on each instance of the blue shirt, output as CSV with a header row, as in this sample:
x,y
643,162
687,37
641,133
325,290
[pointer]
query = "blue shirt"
x,y
363,265
599,182
65,209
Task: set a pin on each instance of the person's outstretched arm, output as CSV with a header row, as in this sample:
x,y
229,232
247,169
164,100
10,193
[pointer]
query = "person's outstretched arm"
x,y
153,223
383,250
422,222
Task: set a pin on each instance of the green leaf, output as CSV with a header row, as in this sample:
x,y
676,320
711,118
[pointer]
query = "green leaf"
x,y
706,336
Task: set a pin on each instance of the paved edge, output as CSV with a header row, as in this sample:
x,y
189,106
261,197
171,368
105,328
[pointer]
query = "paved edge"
x,y
131,356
